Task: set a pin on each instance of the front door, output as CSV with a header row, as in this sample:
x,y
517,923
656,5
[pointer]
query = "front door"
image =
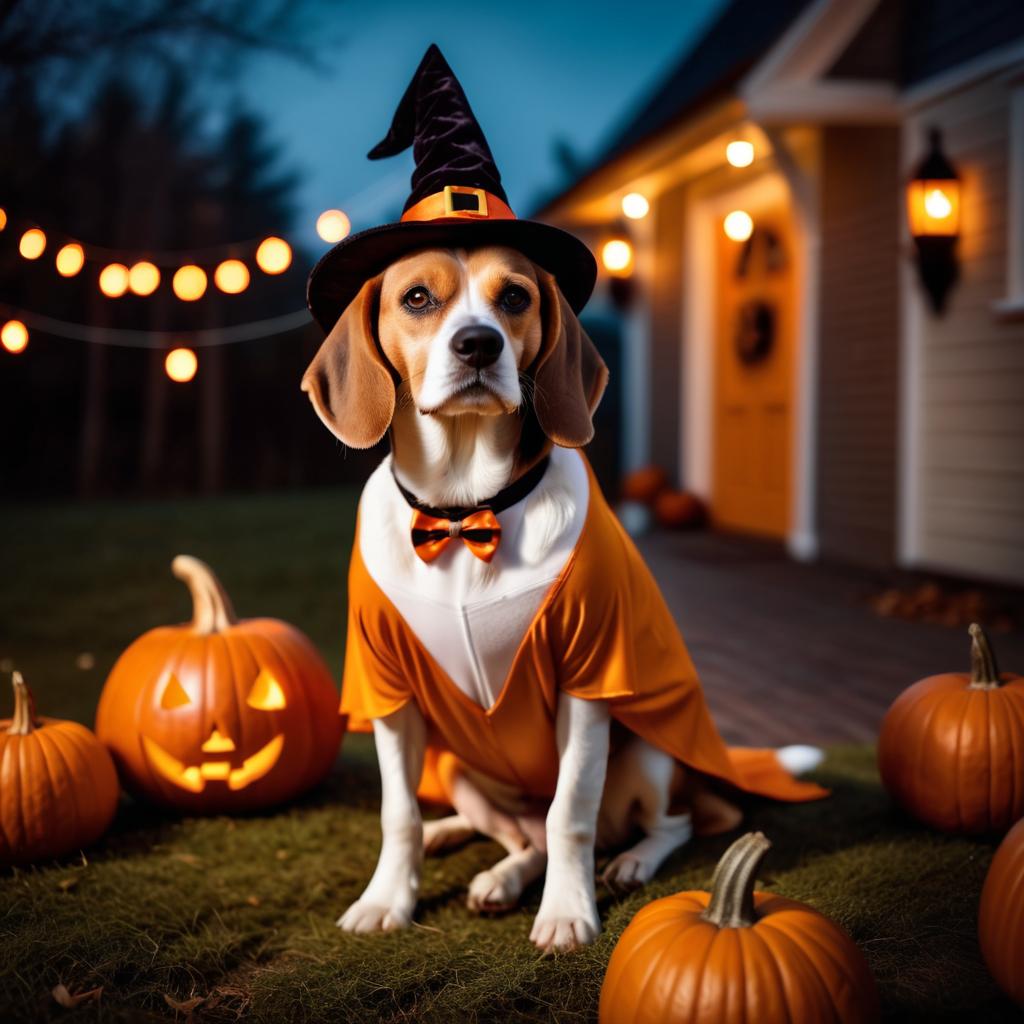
x,y
754,342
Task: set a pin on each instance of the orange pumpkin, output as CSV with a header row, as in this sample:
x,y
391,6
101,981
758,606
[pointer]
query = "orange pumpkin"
x,y
949,749
644,485
219,714
735,956
1001,915
679,510
58,787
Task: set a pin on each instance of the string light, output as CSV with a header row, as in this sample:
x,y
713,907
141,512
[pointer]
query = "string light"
x,y
189,283
143,278
738,225
114,280
32,244
70,260
231,276
181,365
274,255
635,206
333,225
14,336
3,218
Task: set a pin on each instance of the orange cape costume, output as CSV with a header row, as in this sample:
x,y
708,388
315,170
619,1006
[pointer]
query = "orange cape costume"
x,y
603,632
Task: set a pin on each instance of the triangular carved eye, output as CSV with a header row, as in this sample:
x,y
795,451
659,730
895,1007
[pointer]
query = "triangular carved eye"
x,y
266,693
174,695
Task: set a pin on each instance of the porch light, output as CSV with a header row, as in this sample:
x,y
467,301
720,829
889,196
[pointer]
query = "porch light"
x,y
635,206
738,225
181,365
740,153
933,211
617,257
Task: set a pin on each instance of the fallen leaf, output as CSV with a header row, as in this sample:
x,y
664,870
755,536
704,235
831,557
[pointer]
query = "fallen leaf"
x,y
183,1005
281,855
253,901
64,998
188,858
68,883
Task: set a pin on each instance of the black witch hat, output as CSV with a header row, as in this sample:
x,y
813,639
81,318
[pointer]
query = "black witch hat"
x,y
457,200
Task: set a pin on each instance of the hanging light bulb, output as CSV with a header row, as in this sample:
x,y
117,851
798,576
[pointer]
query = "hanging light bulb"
x,y
114,280
143,278
189,282
231,276
274,255
14,336
333,225
70,260
181,365
635,205
32,244
740,153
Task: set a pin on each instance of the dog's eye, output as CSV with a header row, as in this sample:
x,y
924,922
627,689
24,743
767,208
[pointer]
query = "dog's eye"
x,y
514,299
417,299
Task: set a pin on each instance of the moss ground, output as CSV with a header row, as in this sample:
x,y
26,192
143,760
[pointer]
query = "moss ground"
x,y
239,912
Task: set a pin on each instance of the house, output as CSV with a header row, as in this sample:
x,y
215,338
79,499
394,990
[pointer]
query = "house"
x,y
797,375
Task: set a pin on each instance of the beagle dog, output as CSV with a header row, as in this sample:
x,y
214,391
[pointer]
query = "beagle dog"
x,y
502,628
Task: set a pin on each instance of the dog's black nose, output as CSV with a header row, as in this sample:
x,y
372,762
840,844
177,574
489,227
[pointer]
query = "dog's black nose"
x,y
477,345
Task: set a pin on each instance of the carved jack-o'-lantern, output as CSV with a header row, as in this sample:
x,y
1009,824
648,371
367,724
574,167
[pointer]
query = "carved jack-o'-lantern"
x,y
219,714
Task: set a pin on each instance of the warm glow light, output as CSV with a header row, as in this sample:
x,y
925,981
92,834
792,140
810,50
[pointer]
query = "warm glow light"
x,y
740,153
617,257
635,206
189,284
143,278
333,225
14,336
231,276
114,280
70,260
934,207
738,225
181,364
274,255
32,244
3,218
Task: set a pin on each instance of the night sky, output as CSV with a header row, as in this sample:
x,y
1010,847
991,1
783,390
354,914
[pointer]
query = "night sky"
x,y
534,72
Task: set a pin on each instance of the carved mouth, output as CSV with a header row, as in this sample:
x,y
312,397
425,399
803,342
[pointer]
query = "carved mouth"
x,y
194,777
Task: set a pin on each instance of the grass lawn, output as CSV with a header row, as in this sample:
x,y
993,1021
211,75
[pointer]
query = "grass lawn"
x,y
240,911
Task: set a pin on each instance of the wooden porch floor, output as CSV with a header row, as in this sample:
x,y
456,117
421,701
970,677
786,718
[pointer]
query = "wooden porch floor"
x,y
792,653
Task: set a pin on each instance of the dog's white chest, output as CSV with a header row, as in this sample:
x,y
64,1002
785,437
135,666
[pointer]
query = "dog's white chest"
x,y
472,617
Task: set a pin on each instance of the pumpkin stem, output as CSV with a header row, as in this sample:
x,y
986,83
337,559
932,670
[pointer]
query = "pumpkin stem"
x,y
984,670
24,718
211,606
732,886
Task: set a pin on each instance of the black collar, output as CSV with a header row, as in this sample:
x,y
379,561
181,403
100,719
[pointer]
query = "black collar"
x,y
504,499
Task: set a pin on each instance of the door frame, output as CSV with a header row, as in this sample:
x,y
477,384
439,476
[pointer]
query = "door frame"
x,y
705,210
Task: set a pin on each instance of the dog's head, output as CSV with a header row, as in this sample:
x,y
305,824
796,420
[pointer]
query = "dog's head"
x,y
480,332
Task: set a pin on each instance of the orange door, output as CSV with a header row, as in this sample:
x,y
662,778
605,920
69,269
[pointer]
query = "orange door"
x,y
754,341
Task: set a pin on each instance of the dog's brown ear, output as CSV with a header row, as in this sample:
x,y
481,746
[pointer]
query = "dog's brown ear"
x,y
569,373
348,381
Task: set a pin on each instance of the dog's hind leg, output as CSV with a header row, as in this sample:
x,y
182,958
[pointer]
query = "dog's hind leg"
x,y
442,834
499,887
638,793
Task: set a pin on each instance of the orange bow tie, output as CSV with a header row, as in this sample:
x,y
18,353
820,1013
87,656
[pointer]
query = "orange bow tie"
x,y
479,531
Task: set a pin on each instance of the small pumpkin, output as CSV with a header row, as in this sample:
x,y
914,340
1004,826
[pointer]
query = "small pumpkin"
x,y
58,786
219,714
644,484
948,752
735,956
1001,915
679,510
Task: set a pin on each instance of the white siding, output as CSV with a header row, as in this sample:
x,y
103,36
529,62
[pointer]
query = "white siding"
x,y
966,470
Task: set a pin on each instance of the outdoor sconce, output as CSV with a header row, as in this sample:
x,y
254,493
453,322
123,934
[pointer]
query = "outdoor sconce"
x,y
933,210
617,260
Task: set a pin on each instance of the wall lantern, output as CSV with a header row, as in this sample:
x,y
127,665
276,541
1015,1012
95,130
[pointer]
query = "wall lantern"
x,y
933,210
617,260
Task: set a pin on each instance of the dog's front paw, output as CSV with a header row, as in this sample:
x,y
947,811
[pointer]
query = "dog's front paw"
x,y
366,916
567,918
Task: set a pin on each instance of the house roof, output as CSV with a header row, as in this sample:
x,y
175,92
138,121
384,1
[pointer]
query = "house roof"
x,y
902,41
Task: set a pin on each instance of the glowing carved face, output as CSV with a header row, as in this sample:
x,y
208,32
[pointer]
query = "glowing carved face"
x,y
221,755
